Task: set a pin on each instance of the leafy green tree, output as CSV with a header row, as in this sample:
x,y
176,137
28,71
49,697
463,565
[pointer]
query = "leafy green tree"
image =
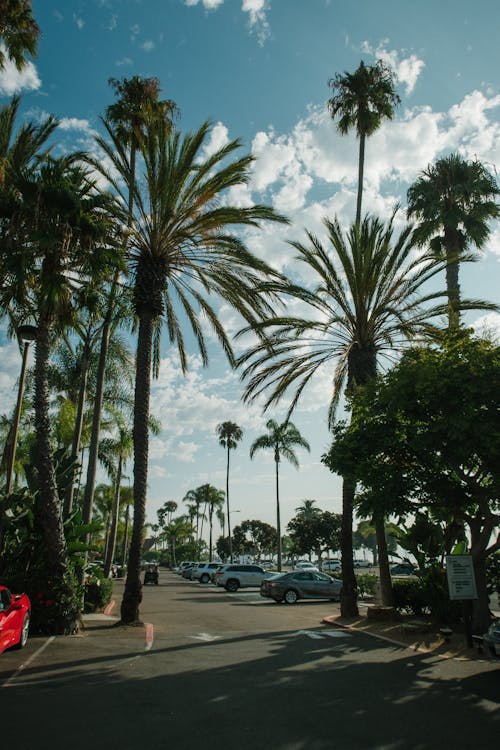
x,y
453,200
48,252
255,538
316,533
361,100
281,439
19,32
229,436
426,436
366,302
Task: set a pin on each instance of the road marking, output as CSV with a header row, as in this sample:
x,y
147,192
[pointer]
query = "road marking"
x,y
149,636
18,671
205,637
309,633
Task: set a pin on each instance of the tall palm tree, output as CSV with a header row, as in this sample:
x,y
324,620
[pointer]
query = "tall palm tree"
x,y
21,148
137,102
19,32
57,241
453,200
361,100
281,439
367,301
307,509
229,436
183,253
213,499
178,530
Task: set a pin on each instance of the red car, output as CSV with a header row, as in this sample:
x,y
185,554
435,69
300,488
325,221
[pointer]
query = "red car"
x,y
14,619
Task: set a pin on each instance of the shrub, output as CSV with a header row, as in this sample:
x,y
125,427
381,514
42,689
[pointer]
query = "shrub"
x,y
98,591
367,584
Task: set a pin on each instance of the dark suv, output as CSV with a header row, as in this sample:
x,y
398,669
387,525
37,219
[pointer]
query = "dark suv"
x,y
234,577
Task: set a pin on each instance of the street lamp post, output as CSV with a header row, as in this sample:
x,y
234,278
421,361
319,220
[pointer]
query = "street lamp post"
x,y
26,334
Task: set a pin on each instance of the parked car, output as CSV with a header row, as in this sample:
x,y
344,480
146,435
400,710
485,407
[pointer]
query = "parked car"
x,y
182,566
234,577
305,565
362,564
331,565
403,569
491,639
301,584
15,610
203,571
188,570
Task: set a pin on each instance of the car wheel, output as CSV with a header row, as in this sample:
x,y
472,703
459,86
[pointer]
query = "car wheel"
x,y
205,578
232,585
24,632
290,596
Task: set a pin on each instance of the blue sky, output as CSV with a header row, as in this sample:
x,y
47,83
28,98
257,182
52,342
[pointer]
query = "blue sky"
x,y
258,69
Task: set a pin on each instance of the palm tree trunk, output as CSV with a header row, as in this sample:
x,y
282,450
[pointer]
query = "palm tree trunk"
x,y
348,602
125,535
211,511
452,246
77,433
386,591
227,506
108,562
278,519
132,596
48,518
361,167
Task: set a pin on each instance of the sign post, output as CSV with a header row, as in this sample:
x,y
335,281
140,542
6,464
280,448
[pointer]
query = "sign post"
x,y
462,586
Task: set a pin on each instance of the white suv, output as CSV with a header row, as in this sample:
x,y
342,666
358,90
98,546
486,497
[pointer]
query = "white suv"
x,y
203,571
234,577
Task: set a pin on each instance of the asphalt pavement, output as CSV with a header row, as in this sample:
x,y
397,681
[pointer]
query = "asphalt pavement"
x,y
212,670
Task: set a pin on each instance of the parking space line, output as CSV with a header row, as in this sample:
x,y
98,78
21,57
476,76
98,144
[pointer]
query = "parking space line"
x,y
18,671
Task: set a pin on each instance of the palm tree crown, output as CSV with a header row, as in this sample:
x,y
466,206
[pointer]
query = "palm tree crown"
x,y
453,200
281,439
229,436
361,100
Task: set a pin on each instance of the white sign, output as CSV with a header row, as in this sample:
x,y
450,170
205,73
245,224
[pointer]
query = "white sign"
x,y
461,580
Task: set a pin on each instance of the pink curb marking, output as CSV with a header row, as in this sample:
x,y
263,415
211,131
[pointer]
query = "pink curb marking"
x,y
149,635
109,608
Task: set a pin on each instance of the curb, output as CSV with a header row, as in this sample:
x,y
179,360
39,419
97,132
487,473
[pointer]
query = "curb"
x,y
331,621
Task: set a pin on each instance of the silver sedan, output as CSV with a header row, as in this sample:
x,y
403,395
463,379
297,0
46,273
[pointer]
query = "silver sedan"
x,y
290,587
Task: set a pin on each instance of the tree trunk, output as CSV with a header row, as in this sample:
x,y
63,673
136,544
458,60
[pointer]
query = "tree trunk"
x,y
227,506
481,617
132,596
361,167
77,432
386,591
278,519
348,601
452,247
125,536
48,518
114,521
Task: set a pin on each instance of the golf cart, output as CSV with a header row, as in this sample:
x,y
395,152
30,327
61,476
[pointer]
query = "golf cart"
x,y
151,574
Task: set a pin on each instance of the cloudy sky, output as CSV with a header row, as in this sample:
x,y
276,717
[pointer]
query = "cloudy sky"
x,y
259,70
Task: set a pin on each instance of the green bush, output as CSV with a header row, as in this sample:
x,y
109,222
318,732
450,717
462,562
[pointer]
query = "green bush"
x,y
409,596
98,592
427,594
367,584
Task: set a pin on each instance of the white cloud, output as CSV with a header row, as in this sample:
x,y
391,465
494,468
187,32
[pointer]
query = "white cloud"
x,y
124,61
255,9
148,45
217,139
406,69
79,22
73,123
13,81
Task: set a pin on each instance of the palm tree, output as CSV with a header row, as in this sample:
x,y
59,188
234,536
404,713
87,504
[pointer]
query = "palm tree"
x,y
137,102
362,100
229,436
178,530
22,149
281,438
307,509
19,32
369,306
183,250
453,200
